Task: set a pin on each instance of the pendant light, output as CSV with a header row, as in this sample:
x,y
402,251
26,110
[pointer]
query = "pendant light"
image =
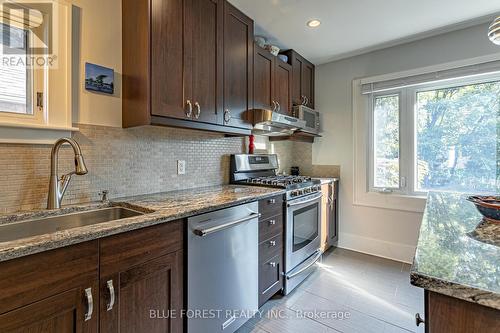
x,y
494,31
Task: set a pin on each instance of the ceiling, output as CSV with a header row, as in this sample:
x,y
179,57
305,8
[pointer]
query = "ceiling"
x,y
350,27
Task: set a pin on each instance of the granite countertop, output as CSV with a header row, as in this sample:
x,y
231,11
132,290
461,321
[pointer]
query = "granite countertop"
x,y
158,208
458,253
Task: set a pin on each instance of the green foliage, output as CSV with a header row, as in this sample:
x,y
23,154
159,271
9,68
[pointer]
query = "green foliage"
x,y
457,138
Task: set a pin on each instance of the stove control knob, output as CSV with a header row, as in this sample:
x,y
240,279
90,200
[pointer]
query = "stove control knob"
x,y
293,193
307,190
300,192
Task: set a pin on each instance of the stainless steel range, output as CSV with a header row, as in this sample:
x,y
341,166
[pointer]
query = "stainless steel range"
x,y
303,211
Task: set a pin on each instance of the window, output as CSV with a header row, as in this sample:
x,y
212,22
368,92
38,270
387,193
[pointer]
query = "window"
x,y
442,137
386,141
15,75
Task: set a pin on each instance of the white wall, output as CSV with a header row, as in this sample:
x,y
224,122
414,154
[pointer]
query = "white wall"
x,y
97,38
382,232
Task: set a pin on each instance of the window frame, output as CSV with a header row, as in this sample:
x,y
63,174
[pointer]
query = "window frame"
x,y
408,132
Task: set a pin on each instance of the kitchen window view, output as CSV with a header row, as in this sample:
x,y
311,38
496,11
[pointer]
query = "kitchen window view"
x,y
15,76
455,131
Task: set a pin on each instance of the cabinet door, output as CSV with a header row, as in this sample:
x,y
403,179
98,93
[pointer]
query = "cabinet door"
x,y
62,313
263,78
283,87
144,298
207,29
270,278
170,54
307,84
238,67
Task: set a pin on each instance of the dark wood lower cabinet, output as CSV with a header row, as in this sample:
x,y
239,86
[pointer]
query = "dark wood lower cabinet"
x,y
130,282
144,298
445,314
270,248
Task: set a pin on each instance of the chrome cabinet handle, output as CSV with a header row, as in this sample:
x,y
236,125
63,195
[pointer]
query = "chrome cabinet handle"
x,y
90,304
272,201
272,222
189,109
272,263
211,230
274,106
278,106
303,100
111,290
418,319
197,110
227,115
272,243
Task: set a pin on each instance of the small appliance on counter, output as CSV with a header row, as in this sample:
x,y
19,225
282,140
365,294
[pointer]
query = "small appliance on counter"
x,y
295,171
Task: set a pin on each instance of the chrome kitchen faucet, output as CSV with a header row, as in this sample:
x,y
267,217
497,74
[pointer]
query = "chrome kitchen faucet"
x,y
57,186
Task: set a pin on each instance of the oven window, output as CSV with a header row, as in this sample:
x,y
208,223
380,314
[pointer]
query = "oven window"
x,y
310,119
305,226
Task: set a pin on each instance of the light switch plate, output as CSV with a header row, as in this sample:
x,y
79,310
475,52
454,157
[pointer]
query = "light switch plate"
x,y
181,167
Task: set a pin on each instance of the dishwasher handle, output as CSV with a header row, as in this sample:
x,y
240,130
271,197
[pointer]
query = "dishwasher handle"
x,y
211,230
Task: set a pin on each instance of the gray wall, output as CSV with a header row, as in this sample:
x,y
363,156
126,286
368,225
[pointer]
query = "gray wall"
x,y
381,232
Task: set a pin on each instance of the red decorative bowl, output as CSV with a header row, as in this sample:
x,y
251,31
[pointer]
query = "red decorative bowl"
x,y
488,206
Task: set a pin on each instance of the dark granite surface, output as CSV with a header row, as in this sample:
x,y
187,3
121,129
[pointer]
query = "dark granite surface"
x,y
458,253
159,208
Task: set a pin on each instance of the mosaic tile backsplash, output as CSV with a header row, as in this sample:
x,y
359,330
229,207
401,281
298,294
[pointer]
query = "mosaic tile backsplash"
x,y
123,161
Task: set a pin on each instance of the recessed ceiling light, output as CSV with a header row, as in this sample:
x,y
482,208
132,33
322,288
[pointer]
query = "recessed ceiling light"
x,y
313,23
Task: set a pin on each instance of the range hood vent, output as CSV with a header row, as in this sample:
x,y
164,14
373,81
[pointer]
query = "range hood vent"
x,y
269,123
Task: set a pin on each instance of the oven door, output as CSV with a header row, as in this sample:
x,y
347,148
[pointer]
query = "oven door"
x,y
302,229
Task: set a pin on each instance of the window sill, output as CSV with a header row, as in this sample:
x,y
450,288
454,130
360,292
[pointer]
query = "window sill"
x,y
393,201
33,134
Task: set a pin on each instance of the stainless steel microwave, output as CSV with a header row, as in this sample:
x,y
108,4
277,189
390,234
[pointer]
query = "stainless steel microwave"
x,y
310,116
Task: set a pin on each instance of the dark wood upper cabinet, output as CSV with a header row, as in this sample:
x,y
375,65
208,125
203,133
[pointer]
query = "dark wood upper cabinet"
x,y
272,82
263,76
238,67
303,79
176,67
171,72
283,86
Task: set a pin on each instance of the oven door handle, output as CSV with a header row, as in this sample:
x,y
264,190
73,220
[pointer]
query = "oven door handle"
x,y
211,230
313,261
290,204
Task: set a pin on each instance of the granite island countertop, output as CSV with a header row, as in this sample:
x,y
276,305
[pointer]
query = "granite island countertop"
x,y
458,254
157,208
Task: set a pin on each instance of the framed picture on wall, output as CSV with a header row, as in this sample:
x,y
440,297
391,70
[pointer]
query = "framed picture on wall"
x,y
99,78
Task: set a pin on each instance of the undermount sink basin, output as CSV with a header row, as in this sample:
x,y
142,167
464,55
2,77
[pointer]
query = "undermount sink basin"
x,y
47,225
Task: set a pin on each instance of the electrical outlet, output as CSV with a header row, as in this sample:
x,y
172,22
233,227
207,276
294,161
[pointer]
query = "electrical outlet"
x,y
181,167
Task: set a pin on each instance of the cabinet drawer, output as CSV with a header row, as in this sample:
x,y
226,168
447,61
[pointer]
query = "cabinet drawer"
x,y
32,278
270,248
135,247
270,227
271,206
270,278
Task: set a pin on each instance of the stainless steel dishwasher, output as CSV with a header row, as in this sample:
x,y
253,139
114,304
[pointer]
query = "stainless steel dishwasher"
x,y
222,269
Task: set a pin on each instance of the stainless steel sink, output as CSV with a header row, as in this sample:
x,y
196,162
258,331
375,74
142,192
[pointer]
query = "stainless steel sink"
x,y
47,225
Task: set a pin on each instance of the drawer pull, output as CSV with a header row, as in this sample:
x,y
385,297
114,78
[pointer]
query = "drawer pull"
x,y
272,222
272,263
111,290
272,243
418,319
271,201
90,304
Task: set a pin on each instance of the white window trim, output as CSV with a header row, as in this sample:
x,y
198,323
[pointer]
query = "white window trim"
x,y
361,104
55,120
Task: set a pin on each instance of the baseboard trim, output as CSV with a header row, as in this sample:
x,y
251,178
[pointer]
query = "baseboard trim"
x,y
376,247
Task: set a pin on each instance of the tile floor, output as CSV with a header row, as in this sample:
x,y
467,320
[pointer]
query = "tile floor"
x,y
372,294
